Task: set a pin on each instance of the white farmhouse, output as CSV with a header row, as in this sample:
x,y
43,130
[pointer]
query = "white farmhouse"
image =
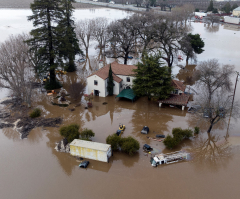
x,y
123,76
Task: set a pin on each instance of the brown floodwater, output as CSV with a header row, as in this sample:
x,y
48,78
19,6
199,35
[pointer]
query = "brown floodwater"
x,y
32,168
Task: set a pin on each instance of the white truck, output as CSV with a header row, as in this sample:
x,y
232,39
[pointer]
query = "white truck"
x,y
168,158
91,150
200,14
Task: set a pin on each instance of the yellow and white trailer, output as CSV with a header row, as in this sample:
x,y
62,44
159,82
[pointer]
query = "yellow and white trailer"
x,y
91,150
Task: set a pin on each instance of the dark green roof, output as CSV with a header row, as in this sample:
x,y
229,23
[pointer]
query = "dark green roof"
x,y
127,93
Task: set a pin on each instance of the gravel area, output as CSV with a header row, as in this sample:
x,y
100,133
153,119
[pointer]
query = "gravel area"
x,y
26,4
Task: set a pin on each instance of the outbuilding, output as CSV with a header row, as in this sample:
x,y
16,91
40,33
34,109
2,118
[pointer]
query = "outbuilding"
x,y
236,12
91,150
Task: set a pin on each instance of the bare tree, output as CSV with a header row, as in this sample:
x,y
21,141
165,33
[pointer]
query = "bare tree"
x,y
84,31
219,108
76,90
16,65
138,2
145,30
100,32
211,76
211,19
123,39
169,36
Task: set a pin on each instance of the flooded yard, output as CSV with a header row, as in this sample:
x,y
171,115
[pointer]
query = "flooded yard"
x,y
32,168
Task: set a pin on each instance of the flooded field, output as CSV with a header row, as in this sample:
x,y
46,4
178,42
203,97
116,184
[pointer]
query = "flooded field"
x,y
32,168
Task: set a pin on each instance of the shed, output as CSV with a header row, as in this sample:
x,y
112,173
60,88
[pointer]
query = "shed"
x,y
91,150
180,100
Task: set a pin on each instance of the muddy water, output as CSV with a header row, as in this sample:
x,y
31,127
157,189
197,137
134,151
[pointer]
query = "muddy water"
x,y
31,168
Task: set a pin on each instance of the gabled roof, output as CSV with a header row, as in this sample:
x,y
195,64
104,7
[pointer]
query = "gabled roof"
x,y
176,100
237,9
117,69
178,85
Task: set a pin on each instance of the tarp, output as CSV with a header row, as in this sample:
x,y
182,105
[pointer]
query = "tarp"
x,y
127,93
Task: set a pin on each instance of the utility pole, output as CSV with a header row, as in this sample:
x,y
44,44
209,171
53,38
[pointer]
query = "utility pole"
x,y
227,135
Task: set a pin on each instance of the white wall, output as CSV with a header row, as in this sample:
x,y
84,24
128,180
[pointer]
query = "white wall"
x,y
124,82
100,87
116,88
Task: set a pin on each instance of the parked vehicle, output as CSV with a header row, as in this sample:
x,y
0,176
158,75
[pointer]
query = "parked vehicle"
x,y
95,0
194,108
112,2
160,136
145,130
168,158
200,14
120,130
81,60
147,148
84,164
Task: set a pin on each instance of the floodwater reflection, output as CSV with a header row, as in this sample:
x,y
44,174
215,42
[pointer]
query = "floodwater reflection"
x,y
212,28
211,152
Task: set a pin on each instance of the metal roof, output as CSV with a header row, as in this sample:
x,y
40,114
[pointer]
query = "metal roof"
x,y
237,9
90,145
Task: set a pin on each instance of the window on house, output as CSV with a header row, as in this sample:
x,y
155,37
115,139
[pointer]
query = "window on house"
x,y
120,84
176,92
128,79
95,82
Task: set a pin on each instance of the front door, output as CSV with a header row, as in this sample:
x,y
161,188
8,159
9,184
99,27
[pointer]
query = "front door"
x,y
96,92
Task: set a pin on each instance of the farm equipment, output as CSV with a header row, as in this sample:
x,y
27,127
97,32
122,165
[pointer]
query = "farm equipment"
x,y
120,130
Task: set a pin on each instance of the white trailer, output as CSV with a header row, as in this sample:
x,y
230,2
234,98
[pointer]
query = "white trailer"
x,y
169,158
91,150
200,14
232,20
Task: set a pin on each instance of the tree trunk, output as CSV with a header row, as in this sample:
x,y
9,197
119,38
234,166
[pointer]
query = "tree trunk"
x,y
210,128
126,58
86,51
187,60
51,52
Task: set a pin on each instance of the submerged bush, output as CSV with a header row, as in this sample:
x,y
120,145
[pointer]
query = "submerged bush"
x,y
35,113
196,130
70,132
178,135
114,140
129,145
86,134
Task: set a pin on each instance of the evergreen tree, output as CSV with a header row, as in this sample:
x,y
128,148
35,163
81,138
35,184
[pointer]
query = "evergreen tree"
x,y
110,82
196,42
227,8
68,40
44,42
152,78
234,6
210,7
